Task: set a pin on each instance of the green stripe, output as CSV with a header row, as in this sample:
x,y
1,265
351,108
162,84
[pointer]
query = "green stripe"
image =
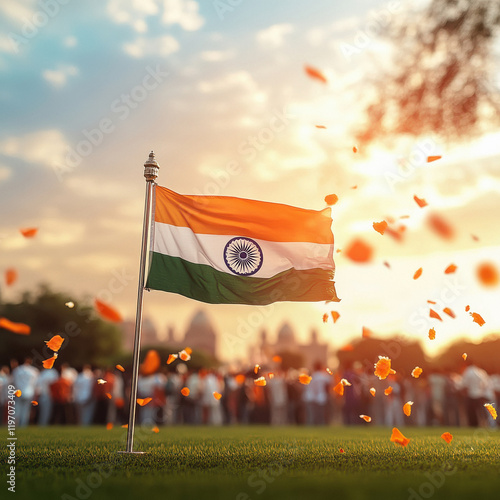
x,y
206,284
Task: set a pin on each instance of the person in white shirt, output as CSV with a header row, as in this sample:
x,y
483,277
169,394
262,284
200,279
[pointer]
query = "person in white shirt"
x,y
83,395
24,379
475,384
278,398
315,396
44,397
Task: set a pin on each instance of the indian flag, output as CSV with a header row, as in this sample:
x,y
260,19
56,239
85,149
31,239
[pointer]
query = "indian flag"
x,y
225,250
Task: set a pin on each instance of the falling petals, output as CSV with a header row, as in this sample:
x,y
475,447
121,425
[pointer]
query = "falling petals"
x,y
388,391
335,316
34,403
331,199
449,312
366,333
277,359
447,437
256,369
341,450
359,251
10,276
108,395
382,367
29,232
345,382
55,343
434,314
185,391
184,355
19,328
172,358
420,201
354,149
305,379
417,274
339,389
407,408
69,304
416,372
467,308
325,318
319,126
373,391
450,269
144,401
120,368
464,356
433,158
217,395
107,312
155,430
380,227
366,418
109,426
493,412
101,381
397,437
477,318
315,73
440,226
18,393
261,381
49,363
487,274
432,334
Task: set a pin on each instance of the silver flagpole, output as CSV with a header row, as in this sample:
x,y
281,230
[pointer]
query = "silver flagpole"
x,y
151,169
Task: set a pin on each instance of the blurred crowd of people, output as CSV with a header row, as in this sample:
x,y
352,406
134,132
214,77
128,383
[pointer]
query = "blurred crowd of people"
x,y
217,397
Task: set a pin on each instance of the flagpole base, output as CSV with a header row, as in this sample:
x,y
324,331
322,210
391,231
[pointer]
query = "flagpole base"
x,y
133,452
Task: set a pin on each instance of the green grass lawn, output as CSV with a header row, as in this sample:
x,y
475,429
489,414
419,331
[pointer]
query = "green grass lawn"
x,y
243,463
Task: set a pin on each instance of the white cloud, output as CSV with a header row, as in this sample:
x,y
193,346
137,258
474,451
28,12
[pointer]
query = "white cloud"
x,y
45,147
59,77
217,55
132,12
237,79
7,45
160,46
5,173
184,13
70,41
19,10
274,36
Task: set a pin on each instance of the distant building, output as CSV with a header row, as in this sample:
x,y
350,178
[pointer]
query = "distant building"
x,y
200,335
286,342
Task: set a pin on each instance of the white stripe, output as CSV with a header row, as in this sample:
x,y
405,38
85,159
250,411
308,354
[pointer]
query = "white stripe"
x,y
209,249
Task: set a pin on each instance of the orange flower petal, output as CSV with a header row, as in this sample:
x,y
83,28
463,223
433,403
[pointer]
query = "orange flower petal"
x,y
359,251
487,274
493,412
434,314
19,328
29,232
382,367
34,403
120,368
464,356
270,375
449,312
18,393
277,359
416,372
217,395
49,363
366,333
256,369
261,381
185,391
109,426
107,312
407,408
319,126
388,391
420,201
431,302
331,199
433,158
189,350
151,363
432,333
108,395
386,264
354,149
440,226
10,276
477,318
335,316
341,450
184,355
447,437
329,371
417,274
315,73
450,269
155,430
172,358
373,391
339,389
304,378
144,402
397,437
325,318
380,227
55,343
125,426
366,418
345,382
467,308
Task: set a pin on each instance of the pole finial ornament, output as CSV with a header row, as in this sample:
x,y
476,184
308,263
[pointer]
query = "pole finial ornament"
x,y
151,168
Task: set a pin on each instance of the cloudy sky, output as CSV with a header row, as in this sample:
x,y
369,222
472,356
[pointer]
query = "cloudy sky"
x,y
218,90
